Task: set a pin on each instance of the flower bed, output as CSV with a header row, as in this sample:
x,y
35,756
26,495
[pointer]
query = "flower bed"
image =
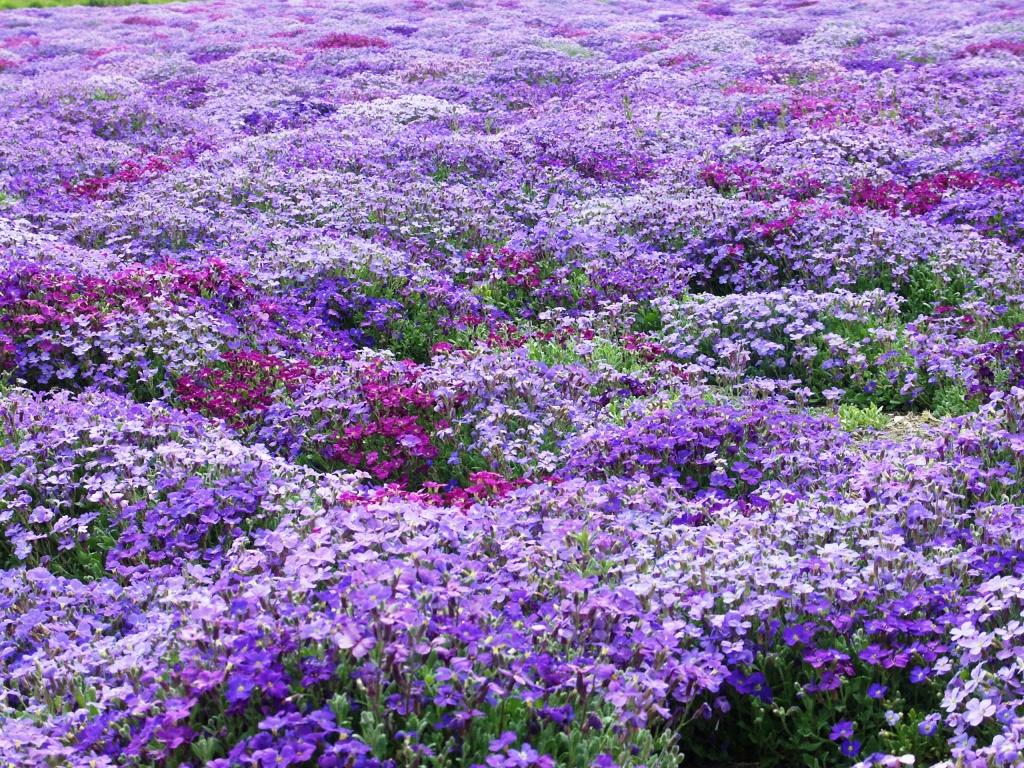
x,y
512,385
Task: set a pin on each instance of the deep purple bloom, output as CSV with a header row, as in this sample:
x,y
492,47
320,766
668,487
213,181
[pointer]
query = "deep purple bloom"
x,y
841,731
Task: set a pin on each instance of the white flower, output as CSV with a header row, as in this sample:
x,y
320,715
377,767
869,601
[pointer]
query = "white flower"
x,y
978,710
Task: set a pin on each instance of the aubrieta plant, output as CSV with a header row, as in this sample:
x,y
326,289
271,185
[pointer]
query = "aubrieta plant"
x,y
512,384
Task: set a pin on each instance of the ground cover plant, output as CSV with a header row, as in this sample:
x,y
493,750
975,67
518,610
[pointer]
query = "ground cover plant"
x,y
512,384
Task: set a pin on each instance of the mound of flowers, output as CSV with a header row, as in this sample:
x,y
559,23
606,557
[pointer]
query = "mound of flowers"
x,y
512,385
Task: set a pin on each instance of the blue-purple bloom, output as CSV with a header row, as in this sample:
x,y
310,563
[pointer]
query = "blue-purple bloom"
x,y
841,731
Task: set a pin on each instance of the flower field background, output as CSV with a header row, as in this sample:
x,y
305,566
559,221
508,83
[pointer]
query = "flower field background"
x,y
58,3
512,384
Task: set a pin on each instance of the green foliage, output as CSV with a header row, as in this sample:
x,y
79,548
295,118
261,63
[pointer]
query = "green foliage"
x,y
454,464
856,418
648,319
791,724
443,171
878,379
953,400
553,353
599,352
568,47
409,325
412,336
927,289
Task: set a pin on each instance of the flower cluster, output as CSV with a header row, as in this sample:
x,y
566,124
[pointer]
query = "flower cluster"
x,y
512,384
239,386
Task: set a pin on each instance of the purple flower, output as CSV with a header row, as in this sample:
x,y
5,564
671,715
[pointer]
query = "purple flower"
x,y
850,748
503,742
238,689
929,725
460,359
841,730
919,674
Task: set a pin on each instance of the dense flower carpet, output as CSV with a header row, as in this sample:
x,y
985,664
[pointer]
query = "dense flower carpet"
x,y
512,384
